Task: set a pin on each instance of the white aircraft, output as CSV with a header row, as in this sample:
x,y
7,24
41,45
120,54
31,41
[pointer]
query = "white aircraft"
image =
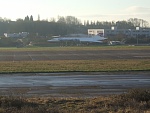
x,y
92,39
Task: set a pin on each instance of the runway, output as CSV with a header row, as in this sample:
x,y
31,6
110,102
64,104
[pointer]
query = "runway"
x,y
72,84
74,55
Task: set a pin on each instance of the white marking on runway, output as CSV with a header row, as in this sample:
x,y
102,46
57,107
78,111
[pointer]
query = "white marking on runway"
x,y
30,56
142,56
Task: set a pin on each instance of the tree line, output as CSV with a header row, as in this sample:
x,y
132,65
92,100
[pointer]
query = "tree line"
x,y
63,25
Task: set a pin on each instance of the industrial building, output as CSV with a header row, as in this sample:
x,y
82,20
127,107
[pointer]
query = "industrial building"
x,y
144,32
96,32
16,35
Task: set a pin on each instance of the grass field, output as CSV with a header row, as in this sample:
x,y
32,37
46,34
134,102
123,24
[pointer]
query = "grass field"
x,y
135,101
75,66
77,48
84,65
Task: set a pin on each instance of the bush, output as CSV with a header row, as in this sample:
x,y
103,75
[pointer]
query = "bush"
x,y
6,102
139,94
135,101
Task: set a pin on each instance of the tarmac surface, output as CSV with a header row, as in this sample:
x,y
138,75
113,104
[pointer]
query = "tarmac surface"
x,y
72,84
74,55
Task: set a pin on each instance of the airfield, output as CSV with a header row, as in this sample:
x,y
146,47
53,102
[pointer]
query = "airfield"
x,y
73,55
73,84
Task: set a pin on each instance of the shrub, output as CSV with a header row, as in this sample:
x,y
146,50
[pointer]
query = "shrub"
x,y
139,94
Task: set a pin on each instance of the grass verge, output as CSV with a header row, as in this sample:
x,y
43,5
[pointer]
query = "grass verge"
x,y
75,66
132,102
76,48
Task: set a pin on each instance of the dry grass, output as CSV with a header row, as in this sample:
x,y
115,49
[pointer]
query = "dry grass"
x,y
124,103
75,66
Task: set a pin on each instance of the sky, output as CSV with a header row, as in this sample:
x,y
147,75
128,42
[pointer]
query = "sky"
x,y
92,10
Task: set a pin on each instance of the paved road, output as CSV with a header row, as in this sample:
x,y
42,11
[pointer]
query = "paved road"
x,y
74,55
72,84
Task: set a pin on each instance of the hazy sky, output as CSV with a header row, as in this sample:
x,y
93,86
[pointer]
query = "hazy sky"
x,y
102,10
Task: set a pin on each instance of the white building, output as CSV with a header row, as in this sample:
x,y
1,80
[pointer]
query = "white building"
x,y
96,32
144,32
16,35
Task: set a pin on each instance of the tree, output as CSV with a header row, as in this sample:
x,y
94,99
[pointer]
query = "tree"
x,y
52,20
138,22
19,20
61,19
124,25
31,18
72,20
26,18
87,23
38,17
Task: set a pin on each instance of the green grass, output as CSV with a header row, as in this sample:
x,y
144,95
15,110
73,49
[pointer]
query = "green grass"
x,y
75,66
76,48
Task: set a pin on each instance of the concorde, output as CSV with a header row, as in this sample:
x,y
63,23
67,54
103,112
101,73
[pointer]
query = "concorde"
x,y
91,39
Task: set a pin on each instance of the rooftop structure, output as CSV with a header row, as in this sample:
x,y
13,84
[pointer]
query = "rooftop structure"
x,y
16,35
144,32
